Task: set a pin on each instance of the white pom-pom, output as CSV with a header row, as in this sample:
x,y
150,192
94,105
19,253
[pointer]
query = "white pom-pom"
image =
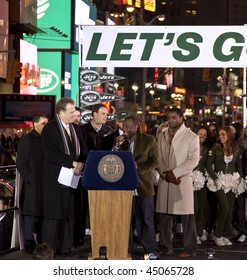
x,y
211,185
198,180
228,182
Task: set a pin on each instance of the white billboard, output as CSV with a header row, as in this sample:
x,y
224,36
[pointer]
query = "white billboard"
x,y
164,46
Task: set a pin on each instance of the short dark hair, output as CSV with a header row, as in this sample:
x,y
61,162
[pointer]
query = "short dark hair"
x,y
36,118
77,108
176,110
62,103
43,251
95,108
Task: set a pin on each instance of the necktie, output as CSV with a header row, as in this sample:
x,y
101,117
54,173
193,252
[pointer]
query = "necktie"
x,y
68,131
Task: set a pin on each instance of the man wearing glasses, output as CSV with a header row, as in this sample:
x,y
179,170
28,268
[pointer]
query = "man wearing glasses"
x,y
62,150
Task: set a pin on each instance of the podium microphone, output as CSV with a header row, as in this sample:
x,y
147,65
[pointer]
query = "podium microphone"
x,y
119,143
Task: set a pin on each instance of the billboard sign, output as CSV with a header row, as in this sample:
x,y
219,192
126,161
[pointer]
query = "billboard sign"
x,y
54,18
164,46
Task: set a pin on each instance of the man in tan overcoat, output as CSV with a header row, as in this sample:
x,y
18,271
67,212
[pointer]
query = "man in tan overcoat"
x,y
178,149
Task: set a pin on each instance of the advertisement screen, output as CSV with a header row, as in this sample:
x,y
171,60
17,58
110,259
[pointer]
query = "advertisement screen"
x,y
53,18
25,107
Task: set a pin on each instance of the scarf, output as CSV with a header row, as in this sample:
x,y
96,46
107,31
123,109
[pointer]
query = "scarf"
x,y
65,138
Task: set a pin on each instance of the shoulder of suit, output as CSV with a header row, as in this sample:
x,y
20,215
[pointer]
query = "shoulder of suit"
x,y
107,128
87,127
51,125
190,132
25,137
29,135
147,136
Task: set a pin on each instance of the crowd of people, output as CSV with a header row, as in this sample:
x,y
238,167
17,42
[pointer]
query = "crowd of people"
x,y
8,148
199,180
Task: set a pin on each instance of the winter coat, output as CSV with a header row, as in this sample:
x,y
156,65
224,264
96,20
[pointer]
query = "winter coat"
x,y
58,200
182,157
29,164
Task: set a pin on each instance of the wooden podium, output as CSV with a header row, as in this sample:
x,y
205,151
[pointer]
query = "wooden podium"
x,y
110,204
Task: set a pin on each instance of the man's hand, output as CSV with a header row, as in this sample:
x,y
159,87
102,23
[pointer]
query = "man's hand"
x,y
176,181
78,166
169,176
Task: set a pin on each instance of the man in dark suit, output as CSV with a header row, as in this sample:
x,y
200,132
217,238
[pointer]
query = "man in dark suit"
x,y
144,149
79,232
95,132
29,164
61,145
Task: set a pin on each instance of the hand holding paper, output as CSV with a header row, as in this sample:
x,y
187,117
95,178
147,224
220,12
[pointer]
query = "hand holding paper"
x,y
68,178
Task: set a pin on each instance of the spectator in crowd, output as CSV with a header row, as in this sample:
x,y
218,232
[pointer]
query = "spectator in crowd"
x,y
213,132
201,204
213,136
239,208
239,221
77,116
179,150
2,151
43,251
237,130
224,158
6,224
29,164
9,155
61,145
144,149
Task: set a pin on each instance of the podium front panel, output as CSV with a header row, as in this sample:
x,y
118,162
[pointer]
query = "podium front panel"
x,y
110,170
110,216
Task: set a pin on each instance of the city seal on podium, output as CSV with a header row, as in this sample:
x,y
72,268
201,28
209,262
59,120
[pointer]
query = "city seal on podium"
x,y
111,168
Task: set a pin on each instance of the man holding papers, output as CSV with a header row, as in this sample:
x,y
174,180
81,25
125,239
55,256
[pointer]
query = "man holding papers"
x,y
62,148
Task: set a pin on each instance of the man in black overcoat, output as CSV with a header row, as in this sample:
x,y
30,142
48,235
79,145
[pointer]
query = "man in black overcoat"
x,y
61,145
29,164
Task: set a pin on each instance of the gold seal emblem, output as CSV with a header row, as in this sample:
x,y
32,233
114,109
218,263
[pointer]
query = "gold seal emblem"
x,y
111,168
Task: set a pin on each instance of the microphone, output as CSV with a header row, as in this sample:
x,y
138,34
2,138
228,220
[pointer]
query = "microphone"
x,y
119,143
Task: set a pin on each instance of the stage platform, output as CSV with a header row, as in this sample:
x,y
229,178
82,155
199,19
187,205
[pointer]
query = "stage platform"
x,y
238,251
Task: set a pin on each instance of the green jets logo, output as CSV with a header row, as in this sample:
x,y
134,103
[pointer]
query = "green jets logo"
x,y
49,80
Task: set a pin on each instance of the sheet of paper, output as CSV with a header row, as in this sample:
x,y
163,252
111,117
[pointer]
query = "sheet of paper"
x,y
74,182
67,177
